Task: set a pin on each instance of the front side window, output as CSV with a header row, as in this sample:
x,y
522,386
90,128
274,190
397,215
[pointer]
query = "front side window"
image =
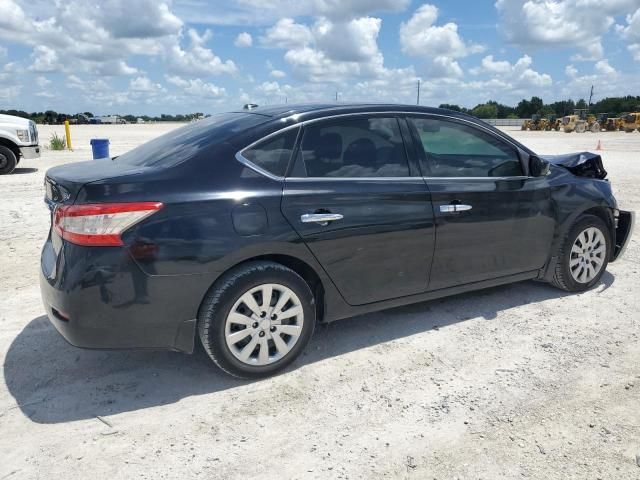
x,y
274,153
355,147
457,150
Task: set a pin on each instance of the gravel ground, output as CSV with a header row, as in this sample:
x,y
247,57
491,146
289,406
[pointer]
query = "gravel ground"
x,y
522,381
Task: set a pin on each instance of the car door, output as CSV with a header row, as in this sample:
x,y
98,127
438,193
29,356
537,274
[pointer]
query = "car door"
x,y
492,220
360,208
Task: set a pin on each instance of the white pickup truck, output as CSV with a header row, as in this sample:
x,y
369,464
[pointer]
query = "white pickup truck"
x,y
18,139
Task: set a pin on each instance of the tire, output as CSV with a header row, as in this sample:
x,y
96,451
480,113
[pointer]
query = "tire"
x,y
595,128
580,128
8,160
217,325
569,260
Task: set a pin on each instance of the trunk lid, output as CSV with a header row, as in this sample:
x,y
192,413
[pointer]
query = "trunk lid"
x,y
63,183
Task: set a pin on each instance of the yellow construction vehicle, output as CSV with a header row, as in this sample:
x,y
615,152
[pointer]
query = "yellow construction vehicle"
x,y
552,122
580,122
609,123
632,122
531,124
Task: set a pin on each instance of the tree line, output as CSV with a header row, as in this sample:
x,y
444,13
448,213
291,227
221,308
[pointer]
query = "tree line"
x,y
51,116
536,106
491,109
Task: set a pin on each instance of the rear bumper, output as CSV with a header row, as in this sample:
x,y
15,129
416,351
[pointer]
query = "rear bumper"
x,y
112,304
625,224
30,152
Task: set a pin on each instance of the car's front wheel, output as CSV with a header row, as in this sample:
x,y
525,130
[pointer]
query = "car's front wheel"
x,y
584,255
257,319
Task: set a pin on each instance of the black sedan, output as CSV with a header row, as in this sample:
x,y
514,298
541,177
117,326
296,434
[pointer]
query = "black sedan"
x,y
247,228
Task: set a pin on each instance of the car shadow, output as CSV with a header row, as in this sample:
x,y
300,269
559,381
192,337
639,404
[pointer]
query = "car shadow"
x,y
20,170
54,382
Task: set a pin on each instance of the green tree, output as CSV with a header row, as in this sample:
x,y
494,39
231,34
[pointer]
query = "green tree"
x,y
485,110
449,106
536,105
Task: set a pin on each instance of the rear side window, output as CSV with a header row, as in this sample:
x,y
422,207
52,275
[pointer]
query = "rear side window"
x,y
357,147
274,153
456,150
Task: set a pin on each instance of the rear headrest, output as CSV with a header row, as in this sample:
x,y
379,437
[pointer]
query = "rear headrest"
x,y
360,152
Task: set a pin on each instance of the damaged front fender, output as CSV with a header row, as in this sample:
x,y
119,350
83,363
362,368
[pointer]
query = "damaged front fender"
x,y
582,164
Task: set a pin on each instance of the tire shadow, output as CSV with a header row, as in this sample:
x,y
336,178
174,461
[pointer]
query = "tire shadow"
x,y
52,381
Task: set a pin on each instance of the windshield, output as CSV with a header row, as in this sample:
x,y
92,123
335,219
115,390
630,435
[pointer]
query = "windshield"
x,y
184,143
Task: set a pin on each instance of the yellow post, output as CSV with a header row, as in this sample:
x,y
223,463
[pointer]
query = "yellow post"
x,y
67,131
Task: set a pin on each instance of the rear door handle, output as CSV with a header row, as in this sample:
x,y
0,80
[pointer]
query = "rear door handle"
x,y
322,219
456,207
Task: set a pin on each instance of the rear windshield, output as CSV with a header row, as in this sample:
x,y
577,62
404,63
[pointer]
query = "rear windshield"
x,y
184,143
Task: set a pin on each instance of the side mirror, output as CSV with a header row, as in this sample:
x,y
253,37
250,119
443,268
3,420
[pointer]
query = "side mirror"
x,y
537,166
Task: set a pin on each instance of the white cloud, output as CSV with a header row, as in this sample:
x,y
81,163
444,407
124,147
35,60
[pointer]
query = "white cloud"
x,y
277,74
570,23
604,68
287,34
127,20
79,36
143,84
264,12
196,59
243,40
571,71
488,65
88,40
43,82
352,41
439,45
196,87
45,59
327,51
631,33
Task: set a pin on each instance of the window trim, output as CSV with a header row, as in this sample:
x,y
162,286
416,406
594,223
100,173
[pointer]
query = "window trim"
x,y
425,160
399,114
248,163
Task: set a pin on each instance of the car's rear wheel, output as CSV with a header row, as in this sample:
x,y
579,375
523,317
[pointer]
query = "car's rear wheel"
x,y
257,319
584,255
8,160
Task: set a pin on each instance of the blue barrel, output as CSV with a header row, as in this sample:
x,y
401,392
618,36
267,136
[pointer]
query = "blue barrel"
x,y
100,148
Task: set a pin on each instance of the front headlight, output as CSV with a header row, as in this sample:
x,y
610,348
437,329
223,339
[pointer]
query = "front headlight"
x,y
23,135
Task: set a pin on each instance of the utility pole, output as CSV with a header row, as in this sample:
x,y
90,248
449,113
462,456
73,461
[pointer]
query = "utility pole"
x,y
336,95
590,97
418,101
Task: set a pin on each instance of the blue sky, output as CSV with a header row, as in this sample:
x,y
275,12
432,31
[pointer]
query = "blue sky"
x,y
151,57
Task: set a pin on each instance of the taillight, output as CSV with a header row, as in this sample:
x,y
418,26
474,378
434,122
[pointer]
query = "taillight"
x,y
100,224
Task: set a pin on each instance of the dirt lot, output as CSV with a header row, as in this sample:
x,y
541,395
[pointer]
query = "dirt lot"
x,y
521,381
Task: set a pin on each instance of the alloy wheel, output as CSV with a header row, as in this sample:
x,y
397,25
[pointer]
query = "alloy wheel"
x,y
587,255
264,324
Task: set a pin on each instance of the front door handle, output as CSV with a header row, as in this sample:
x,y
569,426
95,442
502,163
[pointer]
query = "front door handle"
x,y
453,208
321,219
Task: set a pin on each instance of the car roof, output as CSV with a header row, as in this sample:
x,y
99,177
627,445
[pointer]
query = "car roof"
x,y
285,110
